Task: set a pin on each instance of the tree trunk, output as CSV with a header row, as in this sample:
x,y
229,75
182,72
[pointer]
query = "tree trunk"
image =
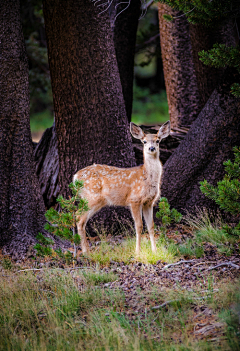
x,y
189,83
125,30
90,116
203,38
21,205
207,145
47,166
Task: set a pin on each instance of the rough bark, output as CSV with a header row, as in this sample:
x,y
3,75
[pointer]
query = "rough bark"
x,y
207,145
47,166
189,83
125,30
203,38
90,116
21,205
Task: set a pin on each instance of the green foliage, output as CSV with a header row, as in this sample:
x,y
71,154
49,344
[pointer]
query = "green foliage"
x,y
7,263
167,215
168,18
191,249
63,223
222,56
235,89
208,13
227,192
211,13
208,228
43,246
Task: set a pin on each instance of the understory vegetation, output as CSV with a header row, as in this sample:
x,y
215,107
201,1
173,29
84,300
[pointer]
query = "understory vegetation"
x,y
57,309
115,300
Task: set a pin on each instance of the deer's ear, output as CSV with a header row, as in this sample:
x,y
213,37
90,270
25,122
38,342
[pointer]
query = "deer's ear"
x,y
136,131
164,131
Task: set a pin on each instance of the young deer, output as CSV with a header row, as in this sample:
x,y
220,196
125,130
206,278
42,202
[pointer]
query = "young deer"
x,y
136,187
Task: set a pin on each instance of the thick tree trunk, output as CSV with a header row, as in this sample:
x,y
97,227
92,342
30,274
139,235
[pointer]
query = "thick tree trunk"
x,y
21,205
125,30
90,116
207,145
189,83
178,66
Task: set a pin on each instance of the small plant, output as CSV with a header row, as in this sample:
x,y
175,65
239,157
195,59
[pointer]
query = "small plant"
x,y
63,223
227,192
43,246
167,215
190,248
7,263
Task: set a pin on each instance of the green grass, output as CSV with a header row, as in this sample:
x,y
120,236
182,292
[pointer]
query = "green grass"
x,y
208,229
53,310
125,252
41,121
94,278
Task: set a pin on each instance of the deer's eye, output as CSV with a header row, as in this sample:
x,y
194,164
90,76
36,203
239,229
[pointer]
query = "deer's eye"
x,y
144,142
157,141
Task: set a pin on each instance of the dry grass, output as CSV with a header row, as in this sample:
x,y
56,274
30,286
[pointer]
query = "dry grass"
x,y
59,310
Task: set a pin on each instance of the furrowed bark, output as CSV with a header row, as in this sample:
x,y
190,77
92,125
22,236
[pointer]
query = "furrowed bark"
x,y
90,116
207,145
21,205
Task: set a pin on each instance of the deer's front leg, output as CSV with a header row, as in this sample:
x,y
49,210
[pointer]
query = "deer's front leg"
x,y
137,216
148,216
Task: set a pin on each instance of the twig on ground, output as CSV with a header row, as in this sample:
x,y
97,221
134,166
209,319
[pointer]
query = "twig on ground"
x,y
200,263
224,264
177,263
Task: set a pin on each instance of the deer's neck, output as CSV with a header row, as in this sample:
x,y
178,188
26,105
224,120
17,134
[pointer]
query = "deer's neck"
x,y
153,168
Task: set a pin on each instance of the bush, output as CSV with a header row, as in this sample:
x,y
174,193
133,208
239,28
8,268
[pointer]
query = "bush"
x,y
227,192
63,223
167,215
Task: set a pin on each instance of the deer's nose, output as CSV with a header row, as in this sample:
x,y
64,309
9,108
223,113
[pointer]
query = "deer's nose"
x,y
152,148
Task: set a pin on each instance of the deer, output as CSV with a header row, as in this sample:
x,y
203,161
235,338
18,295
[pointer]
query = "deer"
x,y
137,187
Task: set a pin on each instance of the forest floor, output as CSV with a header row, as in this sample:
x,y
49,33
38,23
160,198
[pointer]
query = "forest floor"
x,y
103,302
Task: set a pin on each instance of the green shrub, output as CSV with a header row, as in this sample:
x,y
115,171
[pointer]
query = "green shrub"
x,y
167,215
63,223
227,192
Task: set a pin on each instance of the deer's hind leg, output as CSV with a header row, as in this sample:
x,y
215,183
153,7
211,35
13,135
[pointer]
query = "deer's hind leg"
x,y
81,225
148,216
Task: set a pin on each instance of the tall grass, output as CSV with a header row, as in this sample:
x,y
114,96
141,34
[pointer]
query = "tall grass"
x,y
55,311
208,228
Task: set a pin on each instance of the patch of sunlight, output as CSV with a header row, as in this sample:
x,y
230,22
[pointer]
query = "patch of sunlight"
x,y
125,252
